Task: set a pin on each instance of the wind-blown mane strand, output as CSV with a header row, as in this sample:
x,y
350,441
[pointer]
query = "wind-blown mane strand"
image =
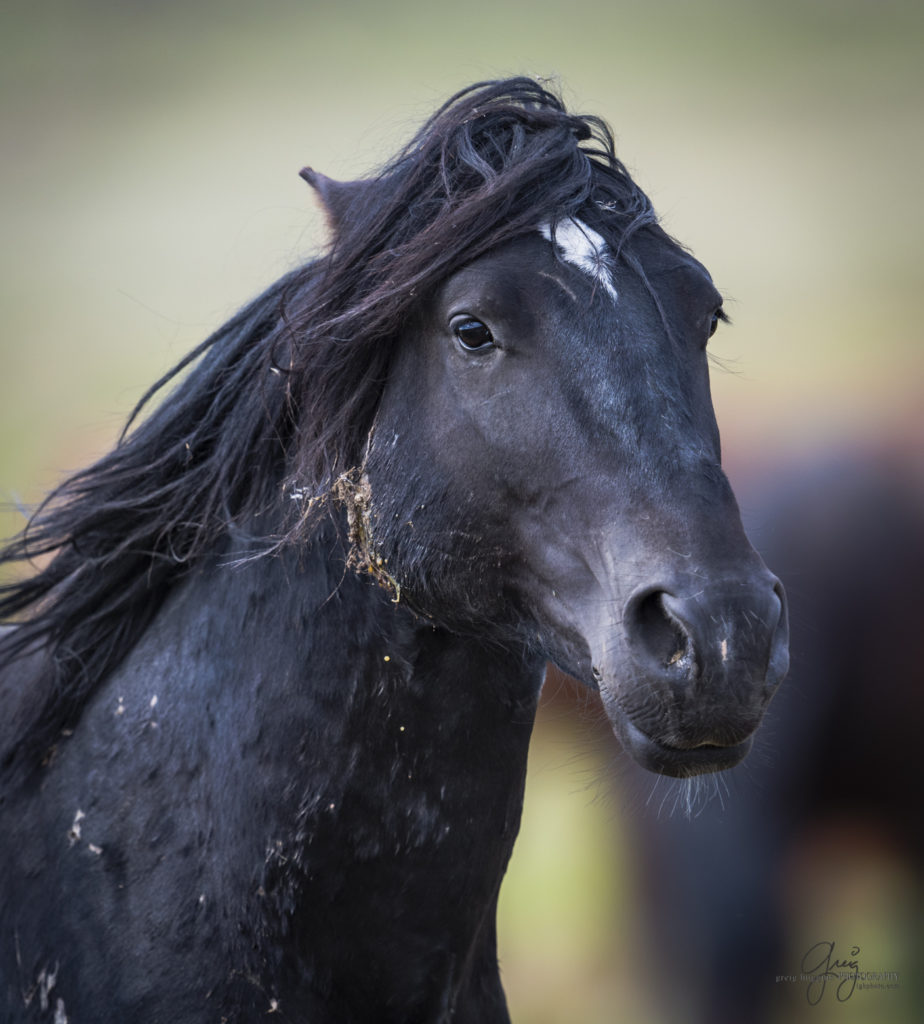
x,y
284,396
124,529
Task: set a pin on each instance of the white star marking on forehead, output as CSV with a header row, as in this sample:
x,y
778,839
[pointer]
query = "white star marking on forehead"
x,y
584,248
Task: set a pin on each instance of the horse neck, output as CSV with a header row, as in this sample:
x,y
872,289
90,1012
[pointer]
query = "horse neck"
x,y
371,753
348,725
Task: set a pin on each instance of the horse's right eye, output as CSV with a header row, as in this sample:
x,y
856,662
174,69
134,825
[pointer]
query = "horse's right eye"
x,y
472,334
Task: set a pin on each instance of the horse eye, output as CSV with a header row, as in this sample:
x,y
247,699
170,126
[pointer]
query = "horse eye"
x,y
718,316
472,334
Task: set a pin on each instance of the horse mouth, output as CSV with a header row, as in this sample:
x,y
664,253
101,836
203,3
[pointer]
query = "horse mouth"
x,y
679,762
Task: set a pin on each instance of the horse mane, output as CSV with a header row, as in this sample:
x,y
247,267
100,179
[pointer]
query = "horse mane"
x,y
281,399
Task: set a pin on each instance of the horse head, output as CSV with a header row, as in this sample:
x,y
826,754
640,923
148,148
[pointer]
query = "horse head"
x,y
544,469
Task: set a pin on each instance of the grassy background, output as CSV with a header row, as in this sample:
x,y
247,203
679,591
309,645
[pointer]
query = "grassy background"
x,y
149,186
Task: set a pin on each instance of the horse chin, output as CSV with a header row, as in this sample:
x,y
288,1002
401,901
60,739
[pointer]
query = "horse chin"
x,y
678,762
654,755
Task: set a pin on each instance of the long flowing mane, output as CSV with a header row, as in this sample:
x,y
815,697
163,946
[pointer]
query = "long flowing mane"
x,y
283,395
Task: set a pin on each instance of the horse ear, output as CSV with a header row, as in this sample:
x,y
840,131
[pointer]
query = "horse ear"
x,y
337,197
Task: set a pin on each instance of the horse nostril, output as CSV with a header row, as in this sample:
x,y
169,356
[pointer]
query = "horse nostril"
x,y
738,627
658,633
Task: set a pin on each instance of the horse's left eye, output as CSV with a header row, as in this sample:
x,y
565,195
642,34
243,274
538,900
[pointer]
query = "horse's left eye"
x,y
472,334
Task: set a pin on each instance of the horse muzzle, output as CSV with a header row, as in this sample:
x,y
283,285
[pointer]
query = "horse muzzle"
x,y
704,659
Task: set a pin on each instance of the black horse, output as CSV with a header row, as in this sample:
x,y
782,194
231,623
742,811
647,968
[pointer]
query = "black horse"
x,y
267,707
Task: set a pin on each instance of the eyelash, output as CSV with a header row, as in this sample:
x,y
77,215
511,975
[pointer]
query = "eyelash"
x,y
719,316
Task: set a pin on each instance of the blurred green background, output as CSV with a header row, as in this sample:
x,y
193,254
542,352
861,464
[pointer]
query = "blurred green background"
x,y
149,186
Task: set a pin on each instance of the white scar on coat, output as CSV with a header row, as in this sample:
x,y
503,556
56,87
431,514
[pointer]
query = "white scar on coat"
x,y
583,247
